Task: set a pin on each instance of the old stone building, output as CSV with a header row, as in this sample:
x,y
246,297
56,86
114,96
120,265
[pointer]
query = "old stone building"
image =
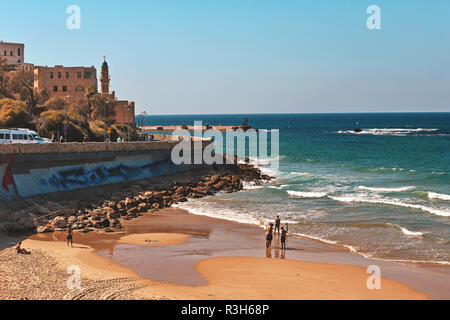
x,y
63,81
14,54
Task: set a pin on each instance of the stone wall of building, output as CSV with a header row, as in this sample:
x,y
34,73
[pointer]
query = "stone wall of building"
x,y
14,54
63,81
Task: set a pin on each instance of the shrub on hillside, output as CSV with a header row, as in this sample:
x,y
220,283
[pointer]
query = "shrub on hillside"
x,y
53,120
13,114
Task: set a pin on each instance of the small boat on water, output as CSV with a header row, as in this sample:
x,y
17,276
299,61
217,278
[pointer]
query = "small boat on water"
x,y
357,128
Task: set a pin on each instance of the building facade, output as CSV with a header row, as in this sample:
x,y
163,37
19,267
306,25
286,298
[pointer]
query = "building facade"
x,y
14,54
62,81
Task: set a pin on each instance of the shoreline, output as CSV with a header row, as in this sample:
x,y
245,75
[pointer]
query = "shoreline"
x,y
227,262
349,248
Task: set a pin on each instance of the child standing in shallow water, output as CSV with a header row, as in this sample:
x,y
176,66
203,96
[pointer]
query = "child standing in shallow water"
x,y
283,239
269,236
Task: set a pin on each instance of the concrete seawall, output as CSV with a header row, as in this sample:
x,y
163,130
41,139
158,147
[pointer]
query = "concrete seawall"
x,y
32,169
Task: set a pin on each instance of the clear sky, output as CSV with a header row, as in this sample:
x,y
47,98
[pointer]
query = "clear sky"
x,y
249,56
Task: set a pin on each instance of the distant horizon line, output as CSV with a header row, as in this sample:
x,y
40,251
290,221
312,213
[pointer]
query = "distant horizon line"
x,y
287,113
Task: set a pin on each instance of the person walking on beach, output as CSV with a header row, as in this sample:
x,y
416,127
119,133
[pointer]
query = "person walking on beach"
x,y
277,224
70,236
286,227
283,239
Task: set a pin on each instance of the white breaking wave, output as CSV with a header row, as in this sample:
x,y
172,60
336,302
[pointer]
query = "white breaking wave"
x,y
251,186
411,233
300,173
279,187
434,195
400,189
388,131
406,231
300,194
349,199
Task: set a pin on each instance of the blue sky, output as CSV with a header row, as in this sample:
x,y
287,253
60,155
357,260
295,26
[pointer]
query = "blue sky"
x,y
249,56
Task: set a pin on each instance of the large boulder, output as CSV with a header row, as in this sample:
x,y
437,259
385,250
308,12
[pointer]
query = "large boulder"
x,y
44,229
103,223
59,222
71,220
142,207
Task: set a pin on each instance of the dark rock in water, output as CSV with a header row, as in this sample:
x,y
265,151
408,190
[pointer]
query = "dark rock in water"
x,y
357,130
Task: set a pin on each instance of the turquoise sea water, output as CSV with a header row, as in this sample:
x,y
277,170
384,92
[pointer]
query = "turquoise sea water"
x,y
384,192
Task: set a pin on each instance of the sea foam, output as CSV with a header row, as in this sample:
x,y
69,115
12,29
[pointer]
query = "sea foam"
x,y
350,199
300,194
439,196
400,189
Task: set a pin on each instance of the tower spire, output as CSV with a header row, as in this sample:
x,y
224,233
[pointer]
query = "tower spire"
x,y
104,77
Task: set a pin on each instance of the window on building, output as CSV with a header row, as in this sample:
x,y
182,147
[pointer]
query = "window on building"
x,y
59,75
11,53
80,74
18,52
18,61
64,88
51,75
87,75
67,75
4,53
55,88
79,89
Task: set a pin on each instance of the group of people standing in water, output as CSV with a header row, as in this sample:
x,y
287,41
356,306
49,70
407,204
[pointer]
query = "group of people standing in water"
x,y
271,229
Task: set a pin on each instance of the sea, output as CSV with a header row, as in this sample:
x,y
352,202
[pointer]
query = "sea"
x,y
383,192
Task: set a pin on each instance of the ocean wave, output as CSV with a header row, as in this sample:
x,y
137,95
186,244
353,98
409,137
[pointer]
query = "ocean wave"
x,y
283,186
388,131
406,231
294,173
400,189
439,196
251,186
300,194
359,199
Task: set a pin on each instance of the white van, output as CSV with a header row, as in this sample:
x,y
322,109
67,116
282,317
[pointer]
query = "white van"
x,y
20,136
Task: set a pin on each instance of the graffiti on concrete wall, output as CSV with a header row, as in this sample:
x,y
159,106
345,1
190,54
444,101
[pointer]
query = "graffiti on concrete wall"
x,y
8,188
71,177
81,177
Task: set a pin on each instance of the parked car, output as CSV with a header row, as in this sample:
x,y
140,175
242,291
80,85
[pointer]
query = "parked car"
x,y
20,136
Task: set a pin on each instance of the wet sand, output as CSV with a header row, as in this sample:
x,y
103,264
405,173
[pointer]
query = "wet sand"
x,y
209,258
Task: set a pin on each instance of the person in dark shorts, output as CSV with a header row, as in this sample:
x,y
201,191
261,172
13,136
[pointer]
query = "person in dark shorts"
x,y
277,224
70,236
269,238
283,239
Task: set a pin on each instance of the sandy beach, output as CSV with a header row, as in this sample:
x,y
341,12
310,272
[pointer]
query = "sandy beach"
x,y
176,255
